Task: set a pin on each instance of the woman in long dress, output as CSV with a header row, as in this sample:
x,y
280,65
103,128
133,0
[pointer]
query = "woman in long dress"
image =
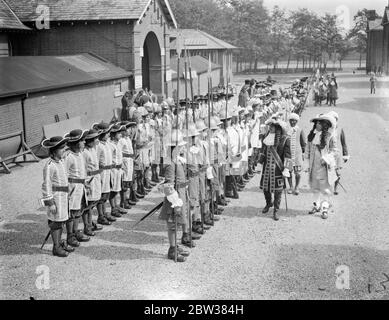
x,y
321,155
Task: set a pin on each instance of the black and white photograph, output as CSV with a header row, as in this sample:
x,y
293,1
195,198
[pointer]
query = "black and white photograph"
x,y
218,151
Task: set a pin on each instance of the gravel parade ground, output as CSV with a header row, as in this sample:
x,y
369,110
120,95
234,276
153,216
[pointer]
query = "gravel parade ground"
x,y
246,255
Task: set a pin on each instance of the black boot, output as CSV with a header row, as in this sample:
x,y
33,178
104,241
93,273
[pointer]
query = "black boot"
x,y
277,202
185,240
197,227
172,252
58,250
269,202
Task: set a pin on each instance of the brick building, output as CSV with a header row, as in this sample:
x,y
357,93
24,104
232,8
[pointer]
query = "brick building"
x,y
34,90
132,34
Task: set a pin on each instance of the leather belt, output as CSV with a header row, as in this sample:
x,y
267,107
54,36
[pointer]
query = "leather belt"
x,y
182,185
76,180
60,189
117,166
95,172
127,155
106,167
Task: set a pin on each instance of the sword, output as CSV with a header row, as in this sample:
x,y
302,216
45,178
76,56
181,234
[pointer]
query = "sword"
x,y
155,209
342,186
85,209
286,199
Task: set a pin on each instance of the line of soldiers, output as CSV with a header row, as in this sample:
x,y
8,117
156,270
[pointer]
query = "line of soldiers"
x,y
206,151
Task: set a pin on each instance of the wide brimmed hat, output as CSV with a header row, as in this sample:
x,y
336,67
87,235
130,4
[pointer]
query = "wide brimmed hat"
x,y
200,125
325,117
117,128
76,135
333,114
214,123
224,115
92,134
277,122
192,130
102,127
56,142
175,138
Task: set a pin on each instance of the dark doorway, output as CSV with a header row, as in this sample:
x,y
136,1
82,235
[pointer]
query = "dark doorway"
x,y
151,64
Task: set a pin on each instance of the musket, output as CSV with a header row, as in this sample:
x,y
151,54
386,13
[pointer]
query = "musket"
x,y
85,209
150,213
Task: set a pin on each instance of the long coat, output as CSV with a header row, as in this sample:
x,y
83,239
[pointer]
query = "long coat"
x,y
272,178
104,156
322,176
55,188
93,182
297,145
75,168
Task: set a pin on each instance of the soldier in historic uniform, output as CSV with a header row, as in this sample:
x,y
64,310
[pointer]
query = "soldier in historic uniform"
x,y
342,155
174,210
55,191
104,156
321,154
157,147
275,157
142,150
76,171
193,162
116,171
204,155
125,144
297,149
93,181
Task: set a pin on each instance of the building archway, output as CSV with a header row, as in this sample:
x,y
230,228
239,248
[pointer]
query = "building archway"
x,y
152,64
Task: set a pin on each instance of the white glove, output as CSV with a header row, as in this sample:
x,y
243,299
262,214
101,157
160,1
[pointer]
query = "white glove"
x,y
286,173
209,173
194,149
175,200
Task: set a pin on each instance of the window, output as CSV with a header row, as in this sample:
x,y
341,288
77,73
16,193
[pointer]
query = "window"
x,y
118,89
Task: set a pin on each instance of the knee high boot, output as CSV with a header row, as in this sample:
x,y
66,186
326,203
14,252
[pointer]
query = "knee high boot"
x,y
269,202
234,188
277,203
58,250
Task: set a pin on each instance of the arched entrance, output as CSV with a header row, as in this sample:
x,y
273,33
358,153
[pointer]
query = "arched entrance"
x,y
152,64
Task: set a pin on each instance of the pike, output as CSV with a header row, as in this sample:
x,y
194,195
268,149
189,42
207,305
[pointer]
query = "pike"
x,y
176,167
85,209
209,131
187,139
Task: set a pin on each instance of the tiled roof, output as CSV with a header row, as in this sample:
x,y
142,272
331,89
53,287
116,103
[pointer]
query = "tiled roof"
x,y
375,24
73,10
20,74
8,19
198,64
197,40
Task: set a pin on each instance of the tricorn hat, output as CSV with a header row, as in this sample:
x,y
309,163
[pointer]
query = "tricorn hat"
x,y
56,142
76,135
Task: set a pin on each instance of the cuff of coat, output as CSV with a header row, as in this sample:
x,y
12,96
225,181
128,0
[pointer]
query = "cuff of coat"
x,y
48,202
288,164
168,189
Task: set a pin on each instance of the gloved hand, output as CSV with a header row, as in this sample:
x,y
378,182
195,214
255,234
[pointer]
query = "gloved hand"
x,y
286,173
209,173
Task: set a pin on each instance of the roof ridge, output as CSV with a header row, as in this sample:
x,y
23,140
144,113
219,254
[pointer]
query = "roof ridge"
x,y
17,18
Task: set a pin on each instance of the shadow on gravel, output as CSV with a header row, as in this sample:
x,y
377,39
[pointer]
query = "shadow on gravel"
x,y
309,271
255,212
104,252
372,104
21,237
